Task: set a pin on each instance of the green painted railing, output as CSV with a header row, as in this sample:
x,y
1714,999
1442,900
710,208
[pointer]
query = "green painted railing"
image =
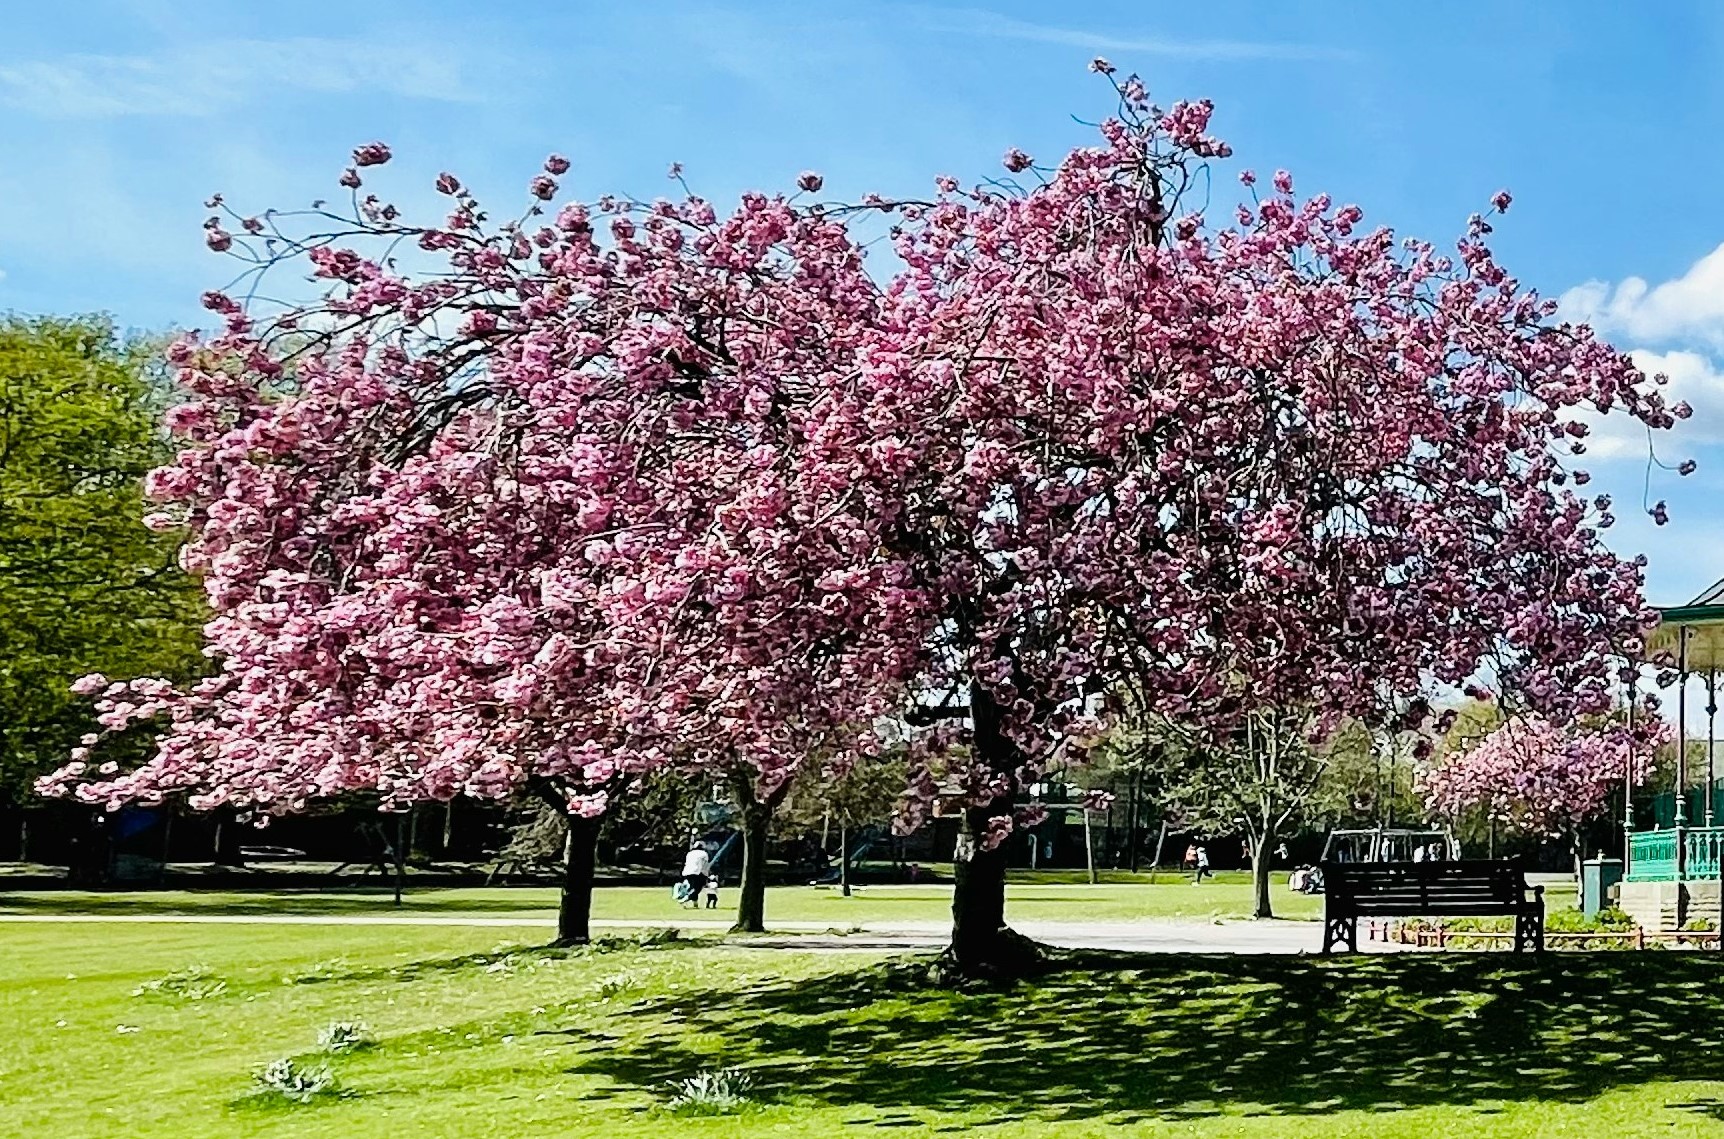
x,y
1652,854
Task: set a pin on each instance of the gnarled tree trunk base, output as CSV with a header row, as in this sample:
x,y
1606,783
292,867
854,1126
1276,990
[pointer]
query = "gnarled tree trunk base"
x,y
1005,957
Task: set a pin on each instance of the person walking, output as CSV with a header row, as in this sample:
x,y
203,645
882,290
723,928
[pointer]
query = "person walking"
x,y
1202,865
1190,859
696,869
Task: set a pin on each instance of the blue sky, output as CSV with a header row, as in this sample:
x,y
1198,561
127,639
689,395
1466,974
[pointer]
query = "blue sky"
x,y
118,118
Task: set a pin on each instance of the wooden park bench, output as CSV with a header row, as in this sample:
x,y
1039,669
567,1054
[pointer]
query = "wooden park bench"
x,y
1352,890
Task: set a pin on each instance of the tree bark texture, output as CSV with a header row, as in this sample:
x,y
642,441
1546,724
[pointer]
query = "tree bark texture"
x,y
1260,893
575,906
227,839
982,945
844,859
756,826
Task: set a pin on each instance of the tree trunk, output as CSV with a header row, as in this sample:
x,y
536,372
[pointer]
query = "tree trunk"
x,y
1262,849
399,850
448,827
1088,848
756,824
1131,835
575,906
844,859
1160,841
227,839
982,945
92,857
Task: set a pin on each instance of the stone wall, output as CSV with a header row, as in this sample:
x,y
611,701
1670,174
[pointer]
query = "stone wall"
x,y
1662,907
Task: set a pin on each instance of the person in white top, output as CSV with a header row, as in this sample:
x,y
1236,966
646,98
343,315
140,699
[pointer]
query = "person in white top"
x,y
696,869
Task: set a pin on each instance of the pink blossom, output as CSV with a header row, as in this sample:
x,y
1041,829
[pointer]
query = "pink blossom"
x,y
1017,161
1541,779
556,164
371,154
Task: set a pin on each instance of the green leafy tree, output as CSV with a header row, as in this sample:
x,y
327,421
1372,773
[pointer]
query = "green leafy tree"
x,y
84,585
825,799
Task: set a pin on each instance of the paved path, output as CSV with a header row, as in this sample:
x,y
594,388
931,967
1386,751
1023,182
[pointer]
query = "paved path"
x,y
1286,937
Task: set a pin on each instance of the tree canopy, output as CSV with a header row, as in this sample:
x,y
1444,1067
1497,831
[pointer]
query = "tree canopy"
x,y
84,586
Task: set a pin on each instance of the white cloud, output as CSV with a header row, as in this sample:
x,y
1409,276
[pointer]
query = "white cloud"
x,y
1688,309
219,74
1677,328
975,22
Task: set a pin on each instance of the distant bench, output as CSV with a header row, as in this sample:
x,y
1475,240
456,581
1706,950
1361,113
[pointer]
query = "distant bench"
x,y
1352,890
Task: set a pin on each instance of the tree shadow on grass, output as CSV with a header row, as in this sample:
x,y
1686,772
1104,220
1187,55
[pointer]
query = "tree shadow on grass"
x,y
334,900
1187,1036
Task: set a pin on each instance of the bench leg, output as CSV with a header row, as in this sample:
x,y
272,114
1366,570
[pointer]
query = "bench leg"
x,y
1341,930
1529,931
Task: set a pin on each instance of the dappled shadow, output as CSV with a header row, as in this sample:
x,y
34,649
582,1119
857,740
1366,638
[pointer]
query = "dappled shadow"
x,y
506,959
1185,1036
1711,1108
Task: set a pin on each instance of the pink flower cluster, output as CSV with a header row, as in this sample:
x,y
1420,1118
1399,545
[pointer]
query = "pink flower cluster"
x,y
1538,778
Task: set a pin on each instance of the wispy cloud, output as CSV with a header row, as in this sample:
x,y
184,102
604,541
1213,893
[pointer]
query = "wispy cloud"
x,y
978,22
218,75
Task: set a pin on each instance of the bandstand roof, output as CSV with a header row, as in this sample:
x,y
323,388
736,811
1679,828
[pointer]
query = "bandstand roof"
x,y
1704,618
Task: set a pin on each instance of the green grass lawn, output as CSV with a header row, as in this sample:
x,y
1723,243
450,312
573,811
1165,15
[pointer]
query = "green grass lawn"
x,y
477,1038
1170,898
1173,898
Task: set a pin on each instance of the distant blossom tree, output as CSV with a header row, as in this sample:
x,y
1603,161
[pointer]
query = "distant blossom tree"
x,y
1542,779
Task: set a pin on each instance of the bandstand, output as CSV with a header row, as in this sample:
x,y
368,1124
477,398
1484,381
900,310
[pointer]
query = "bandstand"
x,y
1672,872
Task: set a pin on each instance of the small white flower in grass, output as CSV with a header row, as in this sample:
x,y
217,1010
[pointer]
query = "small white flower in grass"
x,y
193,983
295,1082
122,1029
719,1092
345,1036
